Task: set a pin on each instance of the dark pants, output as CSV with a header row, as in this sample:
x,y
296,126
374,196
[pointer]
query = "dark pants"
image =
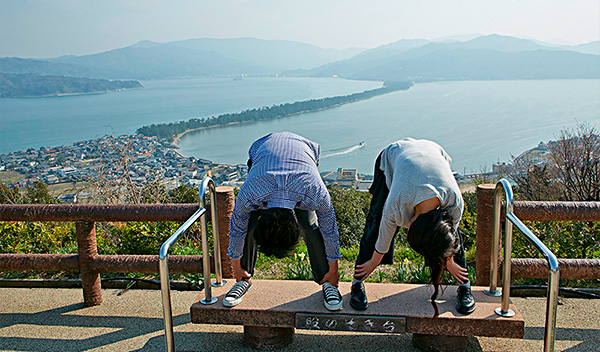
x,y
312,237
380,192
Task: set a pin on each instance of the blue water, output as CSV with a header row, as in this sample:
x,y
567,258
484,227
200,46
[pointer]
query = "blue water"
x,y
35,122
477,122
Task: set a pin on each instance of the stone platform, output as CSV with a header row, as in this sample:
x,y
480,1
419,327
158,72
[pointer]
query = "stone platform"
x,y
393,308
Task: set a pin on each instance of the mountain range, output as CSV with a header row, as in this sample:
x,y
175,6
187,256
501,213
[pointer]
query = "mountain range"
x,y
484,57
186,58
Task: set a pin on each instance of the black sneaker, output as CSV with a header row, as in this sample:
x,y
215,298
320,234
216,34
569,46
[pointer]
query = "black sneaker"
x,y
237,292
465,303
358,296
332,297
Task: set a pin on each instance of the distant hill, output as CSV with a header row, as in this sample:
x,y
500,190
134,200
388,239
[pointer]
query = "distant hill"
x,y
273,56
186,58
48,68
483,57
31,85
589,48
162,61
486,57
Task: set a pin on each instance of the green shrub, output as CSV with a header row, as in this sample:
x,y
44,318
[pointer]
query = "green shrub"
x,y
566,239
468,223
148,237
37,237
351,208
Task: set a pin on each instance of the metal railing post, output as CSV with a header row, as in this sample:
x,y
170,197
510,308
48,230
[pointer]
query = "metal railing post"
x,y
208,183
553,282
554,274
164,265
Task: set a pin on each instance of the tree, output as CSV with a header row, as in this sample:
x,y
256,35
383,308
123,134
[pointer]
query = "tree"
x,y
571,171
535,181
38,193
153,192
576,156
10,195
184,194
351,208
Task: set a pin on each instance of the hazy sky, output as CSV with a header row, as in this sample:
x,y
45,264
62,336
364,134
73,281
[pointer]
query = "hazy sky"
x,y
31,28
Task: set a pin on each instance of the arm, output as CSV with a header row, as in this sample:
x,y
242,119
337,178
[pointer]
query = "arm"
x,y
362,271
328,228
460,274
387,230
238,272
333,275
238,226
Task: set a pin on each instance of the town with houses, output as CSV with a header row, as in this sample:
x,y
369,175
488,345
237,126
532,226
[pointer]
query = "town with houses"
x,y
141,159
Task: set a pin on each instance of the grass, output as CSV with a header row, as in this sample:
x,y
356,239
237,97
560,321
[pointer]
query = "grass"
x,y
10,176
407,267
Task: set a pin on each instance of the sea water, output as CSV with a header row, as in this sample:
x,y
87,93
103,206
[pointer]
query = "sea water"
x,y
477,122
53,121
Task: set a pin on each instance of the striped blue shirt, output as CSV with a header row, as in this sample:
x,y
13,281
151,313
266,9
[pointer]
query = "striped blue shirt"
x,y
284,174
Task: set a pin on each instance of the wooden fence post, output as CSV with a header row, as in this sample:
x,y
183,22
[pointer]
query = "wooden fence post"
x,y
87,249
225,202
485,215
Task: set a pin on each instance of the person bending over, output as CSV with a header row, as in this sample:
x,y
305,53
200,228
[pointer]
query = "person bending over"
x,y
282,198
414,187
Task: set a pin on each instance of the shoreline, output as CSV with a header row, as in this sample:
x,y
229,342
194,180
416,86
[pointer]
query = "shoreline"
x,y
174,140
69,94
177,137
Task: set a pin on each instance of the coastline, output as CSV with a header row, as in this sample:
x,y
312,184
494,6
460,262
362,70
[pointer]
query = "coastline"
x,y
69,94
175,140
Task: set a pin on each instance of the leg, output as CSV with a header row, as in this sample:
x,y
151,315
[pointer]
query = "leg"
x,y
248,262
465,302
379,191
250,253
318,259
459,257
314,242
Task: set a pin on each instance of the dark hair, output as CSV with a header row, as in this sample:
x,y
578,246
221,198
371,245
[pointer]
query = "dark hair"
x,y
277,232
433,236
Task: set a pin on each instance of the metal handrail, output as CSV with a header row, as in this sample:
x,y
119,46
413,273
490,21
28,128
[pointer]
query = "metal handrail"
x,y
553,277
207,183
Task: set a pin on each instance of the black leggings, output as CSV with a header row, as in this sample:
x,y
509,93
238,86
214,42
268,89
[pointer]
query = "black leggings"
x,y
312,237
380,191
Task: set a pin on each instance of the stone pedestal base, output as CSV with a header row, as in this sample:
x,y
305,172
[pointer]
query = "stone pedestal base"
x,y
440,343
264,338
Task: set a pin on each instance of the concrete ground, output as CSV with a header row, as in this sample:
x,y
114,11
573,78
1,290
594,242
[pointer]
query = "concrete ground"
x,y
52,319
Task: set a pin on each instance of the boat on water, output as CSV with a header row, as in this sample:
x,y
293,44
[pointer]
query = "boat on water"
x,y
362,144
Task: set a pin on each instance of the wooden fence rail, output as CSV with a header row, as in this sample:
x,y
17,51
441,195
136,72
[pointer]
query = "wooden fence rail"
x,y
87,261
530,210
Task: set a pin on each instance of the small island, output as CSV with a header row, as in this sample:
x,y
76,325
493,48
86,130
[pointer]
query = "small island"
x,y
32,85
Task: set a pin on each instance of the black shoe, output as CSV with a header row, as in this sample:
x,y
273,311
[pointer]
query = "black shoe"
x,y
358,297
465,303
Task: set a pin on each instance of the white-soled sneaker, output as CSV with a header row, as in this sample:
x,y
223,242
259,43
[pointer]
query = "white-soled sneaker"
x,y
332,297
237,292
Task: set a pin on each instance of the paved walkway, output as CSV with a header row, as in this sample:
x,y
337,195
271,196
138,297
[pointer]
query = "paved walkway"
x,y
41,319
